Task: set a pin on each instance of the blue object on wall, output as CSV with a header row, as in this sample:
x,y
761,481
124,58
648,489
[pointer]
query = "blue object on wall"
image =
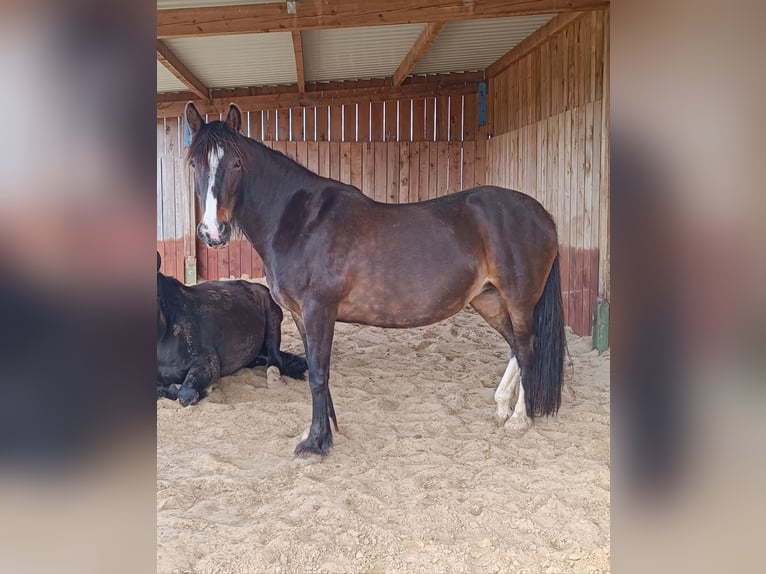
x,y
187,133
482,103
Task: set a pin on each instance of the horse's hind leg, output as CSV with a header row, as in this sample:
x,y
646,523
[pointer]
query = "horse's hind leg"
x,y
490,305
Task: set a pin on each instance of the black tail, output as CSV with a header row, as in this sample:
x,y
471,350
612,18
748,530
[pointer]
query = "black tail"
x,y
542,382
294,366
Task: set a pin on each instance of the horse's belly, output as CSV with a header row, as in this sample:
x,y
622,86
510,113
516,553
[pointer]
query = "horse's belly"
x,y
407,303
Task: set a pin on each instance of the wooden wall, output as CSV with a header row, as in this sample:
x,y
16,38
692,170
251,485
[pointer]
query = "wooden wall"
x,y
548,116
396,151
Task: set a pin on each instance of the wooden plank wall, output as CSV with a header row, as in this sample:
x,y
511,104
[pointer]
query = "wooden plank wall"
x,y
175,201
548,113
395,151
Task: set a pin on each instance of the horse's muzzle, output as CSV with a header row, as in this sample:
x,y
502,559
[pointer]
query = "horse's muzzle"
x,y
215,237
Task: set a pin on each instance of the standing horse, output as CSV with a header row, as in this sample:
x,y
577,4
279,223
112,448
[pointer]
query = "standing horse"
x,y
332,254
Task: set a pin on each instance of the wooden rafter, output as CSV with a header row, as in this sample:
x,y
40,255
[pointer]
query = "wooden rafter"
x,y
418,50
298,49
531,42
168,59
323,93
318,14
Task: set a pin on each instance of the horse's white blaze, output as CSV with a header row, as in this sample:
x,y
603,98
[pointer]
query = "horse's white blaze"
x,y
210,217
505,390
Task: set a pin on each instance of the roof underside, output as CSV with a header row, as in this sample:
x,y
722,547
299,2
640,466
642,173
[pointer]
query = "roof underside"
x,y
267,59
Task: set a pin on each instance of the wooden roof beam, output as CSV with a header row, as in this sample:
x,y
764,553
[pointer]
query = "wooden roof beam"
x,y
321,14
298,49
323,93
418,50
553,27
168,59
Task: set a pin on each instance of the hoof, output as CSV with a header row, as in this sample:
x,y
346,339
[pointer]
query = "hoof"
x,y
187,397
517,424
313,446
274,378
501,416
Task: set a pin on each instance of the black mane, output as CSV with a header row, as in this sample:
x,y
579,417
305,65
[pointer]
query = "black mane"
x,y
209,137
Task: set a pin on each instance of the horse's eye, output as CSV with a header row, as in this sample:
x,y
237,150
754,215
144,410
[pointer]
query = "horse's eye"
x,y
192,164
237,164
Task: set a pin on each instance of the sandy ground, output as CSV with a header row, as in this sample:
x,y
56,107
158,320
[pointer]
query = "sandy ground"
x,y
421,478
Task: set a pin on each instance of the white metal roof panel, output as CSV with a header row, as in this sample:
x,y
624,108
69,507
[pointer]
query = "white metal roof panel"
x,y
239,60
168,4
475,44
167,82
356,53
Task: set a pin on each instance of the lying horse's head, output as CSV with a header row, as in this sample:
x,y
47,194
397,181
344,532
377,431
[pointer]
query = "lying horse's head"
x,y
215,156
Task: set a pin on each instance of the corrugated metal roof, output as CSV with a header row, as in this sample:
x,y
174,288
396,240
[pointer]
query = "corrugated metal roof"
x,y
475,44
239,60
356,53
167,4
167,82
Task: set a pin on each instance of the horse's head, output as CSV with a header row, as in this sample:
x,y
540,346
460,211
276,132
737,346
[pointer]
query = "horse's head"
x,y
215,156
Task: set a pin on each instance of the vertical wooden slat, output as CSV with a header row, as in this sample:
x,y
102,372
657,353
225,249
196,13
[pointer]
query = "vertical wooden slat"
x,y
269,125
302,153
430,119
405,120
363,121
376,130
442,118
324,159
322,125
442,169
356,164
296,122
283,125
392,172
456,118
336,123
345,162
404,172
381,173
168,198
454,183
567,213
433,165
349,122
589,290
255,125
368,169
290,148
418,120
470,116
310,116
604,190
391,121
424,174
414,164
312,149
335,158
480,173
469,164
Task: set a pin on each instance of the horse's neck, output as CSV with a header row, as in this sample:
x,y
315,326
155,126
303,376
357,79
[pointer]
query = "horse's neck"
x,y
266,195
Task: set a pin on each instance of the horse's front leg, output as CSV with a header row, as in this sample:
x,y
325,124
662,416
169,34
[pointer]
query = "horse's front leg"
x,y
203,373
318,325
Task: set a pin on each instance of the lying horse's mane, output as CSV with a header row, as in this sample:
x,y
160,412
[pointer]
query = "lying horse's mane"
x,y
210,137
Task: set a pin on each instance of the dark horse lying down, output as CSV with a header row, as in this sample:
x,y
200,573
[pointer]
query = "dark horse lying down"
x,y
332,254
211,330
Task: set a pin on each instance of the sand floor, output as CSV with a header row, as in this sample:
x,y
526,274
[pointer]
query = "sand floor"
x,y
421,478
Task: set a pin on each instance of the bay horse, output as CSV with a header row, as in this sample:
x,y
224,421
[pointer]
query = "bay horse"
x,y
330,254
211,330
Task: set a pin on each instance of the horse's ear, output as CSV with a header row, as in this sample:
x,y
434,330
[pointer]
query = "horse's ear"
x,y
234,119
159,261
193,118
